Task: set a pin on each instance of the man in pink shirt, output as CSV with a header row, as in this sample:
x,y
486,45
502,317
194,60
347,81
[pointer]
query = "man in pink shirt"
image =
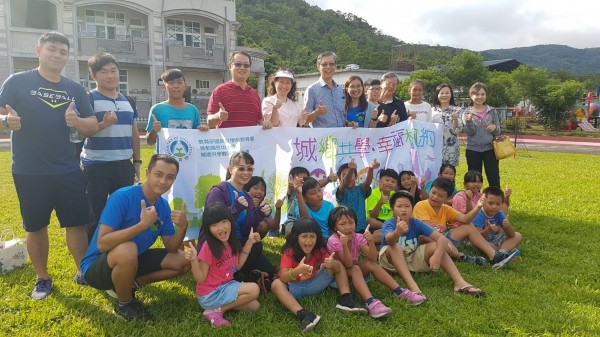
x,y
235,103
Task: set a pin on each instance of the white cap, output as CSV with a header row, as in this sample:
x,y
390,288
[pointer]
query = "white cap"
x,y
285,73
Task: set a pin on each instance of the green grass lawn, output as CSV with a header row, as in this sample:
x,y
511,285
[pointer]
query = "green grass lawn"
x,y
554,290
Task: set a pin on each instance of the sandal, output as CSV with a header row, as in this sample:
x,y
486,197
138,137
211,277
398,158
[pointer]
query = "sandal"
x,y
470,290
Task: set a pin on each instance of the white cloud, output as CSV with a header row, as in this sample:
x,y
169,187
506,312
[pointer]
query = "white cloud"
x,y
480,25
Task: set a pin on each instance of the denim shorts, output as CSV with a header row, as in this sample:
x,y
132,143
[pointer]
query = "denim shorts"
x,y
457,244
499,239
224,294
312,286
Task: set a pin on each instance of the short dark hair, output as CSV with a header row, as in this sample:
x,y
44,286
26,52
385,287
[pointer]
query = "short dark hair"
x,y
255,180
299,169
401,194
494,190
53,37
436,100
164,157
326,53
445,166
309,184
444,185
342,168
371,82
472,176
99,60
389,173
239,52
171,75
339,212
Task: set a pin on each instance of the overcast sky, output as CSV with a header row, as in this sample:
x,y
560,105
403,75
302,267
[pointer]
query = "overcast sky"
x,y
479,24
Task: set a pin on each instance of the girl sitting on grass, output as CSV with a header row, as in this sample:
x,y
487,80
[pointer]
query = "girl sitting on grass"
x,y
221,255
307,269
347,246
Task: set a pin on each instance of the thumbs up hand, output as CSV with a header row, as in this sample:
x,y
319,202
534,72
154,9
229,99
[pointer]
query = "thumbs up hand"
x,y
329,261
265,208
253,237
394,118
332,175
179,217
367,234
191,254
382,117
148,215
375,164
321,109
12,119
71,115
156,125
223,114
304,268
241,199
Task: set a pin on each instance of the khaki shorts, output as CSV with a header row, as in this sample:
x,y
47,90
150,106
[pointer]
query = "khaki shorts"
x,y
415,261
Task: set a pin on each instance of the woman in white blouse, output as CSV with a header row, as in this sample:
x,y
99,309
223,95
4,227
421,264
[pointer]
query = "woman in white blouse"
x,y
280,107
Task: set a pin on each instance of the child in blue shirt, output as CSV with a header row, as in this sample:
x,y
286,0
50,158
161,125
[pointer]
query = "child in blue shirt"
x,y
494,225
311,203
352,195
401,251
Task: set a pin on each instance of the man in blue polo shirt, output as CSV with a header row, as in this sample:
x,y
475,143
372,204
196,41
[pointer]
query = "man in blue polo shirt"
x,y
324,99
107,154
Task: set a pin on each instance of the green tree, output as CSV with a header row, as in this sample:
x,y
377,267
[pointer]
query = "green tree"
x,y
430,77
499,88
553,106
465,69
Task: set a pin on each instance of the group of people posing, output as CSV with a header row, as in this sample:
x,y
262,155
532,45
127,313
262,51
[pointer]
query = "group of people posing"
x,y
112,223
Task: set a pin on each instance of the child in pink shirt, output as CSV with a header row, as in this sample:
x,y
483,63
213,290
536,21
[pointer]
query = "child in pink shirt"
x,y
221,255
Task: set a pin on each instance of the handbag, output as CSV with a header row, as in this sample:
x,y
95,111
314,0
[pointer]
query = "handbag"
x,y
503,148
13,252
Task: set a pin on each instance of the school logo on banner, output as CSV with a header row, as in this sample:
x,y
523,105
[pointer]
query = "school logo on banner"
x,y
179,148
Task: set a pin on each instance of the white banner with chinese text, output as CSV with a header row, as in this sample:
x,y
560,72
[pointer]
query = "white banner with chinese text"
x,y
204,156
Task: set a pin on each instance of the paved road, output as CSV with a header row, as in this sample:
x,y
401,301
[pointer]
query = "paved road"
x,y
530,143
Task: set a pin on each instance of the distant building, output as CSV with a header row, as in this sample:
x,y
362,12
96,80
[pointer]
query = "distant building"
x,y
340,77
146,37
506,65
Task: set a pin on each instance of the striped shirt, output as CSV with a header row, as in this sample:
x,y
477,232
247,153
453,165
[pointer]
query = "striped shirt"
x,y
333,99
243,105
113,143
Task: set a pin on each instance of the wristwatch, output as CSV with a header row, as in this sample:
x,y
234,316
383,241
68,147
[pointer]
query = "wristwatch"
x,y
137,162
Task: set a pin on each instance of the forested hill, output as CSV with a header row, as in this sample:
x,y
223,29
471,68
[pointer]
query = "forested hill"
x,y
294,32
552,57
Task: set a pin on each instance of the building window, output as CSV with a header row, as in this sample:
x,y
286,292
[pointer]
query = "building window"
x,y
37,14
209,30
187,32
123,81
105,25
202,84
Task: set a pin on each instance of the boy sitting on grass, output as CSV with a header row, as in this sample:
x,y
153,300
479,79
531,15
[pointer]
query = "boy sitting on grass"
x,y
495,227
401,251
435,212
